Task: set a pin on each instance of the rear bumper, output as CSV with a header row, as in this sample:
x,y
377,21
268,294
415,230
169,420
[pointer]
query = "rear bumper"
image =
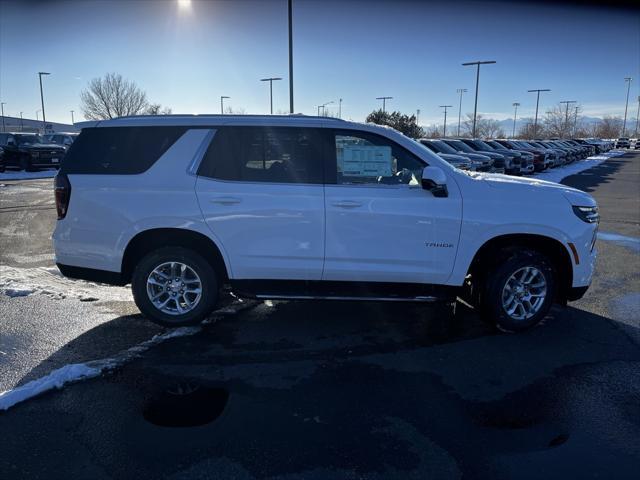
x,y
91,275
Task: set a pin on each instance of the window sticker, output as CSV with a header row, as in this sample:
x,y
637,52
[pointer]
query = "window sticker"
x,y
365,161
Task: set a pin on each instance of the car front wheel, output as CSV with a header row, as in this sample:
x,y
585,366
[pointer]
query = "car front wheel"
x,y
519,291
175,287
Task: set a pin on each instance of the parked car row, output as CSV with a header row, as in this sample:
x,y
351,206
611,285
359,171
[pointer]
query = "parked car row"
x,y
513,157
28,151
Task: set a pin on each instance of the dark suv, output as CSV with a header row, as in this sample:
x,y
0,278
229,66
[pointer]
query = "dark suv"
x,y
28,151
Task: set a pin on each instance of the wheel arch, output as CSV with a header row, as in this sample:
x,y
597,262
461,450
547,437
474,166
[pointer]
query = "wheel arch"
x,y
492,252
154,238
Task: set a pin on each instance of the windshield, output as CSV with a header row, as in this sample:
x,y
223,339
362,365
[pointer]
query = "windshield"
x,y
28,139
442,147
460,146
484,146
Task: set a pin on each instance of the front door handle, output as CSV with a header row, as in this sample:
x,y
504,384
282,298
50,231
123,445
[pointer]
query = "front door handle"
x,y
226,200
347,204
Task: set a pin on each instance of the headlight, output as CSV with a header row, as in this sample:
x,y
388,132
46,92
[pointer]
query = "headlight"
x,y
587,214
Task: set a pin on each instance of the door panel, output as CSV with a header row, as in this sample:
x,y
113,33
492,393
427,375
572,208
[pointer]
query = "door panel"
x,y
268,231
381,226
391,234
261,193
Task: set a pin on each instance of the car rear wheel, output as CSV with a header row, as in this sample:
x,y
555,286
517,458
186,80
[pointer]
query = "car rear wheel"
x,y
519,291
175,287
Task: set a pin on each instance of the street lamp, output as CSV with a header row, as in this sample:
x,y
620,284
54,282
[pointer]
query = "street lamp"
x,y
535,122
384,102
566,115
475,108
626,105
637,117
72,120
21,122
340,108
44,118
444,129
2,104
222,97
270,80
290,10
460,91
515,116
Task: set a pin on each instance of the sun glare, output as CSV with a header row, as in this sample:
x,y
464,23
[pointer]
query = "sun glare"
x,y
184,4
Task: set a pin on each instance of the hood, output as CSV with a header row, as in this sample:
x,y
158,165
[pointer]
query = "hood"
x,y
453,157
507,182
475,156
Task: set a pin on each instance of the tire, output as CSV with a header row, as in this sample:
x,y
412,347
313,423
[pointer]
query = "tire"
x,y
143,284
515,264
25,164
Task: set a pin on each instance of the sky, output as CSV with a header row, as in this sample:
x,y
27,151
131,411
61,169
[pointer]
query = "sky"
x,y
186,54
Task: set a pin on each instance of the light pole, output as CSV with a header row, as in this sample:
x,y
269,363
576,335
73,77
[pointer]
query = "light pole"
x,y
535,121
460,91
324,107
44,118
340,108
72,120
384,102
637,117
475,108
626,105
270,80
222,97
2,104
444,129
290,10
38,116
21,123
566,115
515,116
575,121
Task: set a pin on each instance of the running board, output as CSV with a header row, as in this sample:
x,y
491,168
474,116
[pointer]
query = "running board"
x,y
426,299
345,291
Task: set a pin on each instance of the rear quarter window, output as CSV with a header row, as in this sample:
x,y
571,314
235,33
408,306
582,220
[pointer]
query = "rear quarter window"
x,y
119,150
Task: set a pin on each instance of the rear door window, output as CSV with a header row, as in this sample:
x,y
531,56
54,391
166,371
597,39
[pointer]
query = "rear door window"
x,y
265,154
119,150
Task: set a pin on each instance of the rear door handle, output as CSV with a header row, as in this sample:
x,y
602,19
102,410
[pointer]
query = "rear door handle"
x,y
347,204
226,200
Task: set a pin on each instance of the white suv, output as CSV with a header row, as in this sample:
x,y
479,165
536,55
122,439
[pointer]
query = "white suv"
x,y
299,207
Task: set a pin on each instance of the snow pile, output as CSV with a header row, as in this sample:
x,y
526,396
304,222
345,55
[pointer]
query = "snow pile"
x,y
20,282
560,173
22,175
81,371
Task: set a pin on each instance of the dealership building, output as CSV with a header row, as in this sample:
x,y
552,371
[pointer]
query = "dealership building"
x,y
17,124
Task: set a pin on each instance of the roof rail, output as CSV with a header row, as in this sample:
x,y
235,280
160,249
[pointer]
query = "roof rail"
x,y
228,115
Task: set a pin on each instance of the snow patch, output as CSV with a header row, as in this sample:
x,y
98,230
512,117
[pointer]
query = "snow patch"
x,y
560,173
19,282
623,240
22,175
82,371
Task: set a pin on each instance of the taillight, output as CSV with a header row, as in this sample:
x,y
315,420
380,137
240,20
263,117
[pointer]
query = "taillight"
x,y
62,191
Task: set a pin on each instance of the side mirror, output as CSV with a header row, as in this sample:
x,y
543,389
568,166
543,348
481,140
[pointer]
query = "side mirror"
x,y
434,180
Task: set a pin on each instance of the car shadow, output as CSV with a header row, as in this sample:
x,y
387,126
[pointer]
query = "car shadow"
x,y
590,179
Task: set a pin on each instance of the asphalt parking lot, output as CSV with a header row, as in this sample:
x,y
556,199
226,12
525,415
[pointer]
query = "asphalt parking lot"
x,y
323,390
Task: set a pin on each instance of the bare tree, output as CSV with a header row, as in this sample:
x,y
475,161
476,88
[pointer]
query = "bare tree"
x,y
485,127
235,111
156,109
433,131
527,132
609,127
112,96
